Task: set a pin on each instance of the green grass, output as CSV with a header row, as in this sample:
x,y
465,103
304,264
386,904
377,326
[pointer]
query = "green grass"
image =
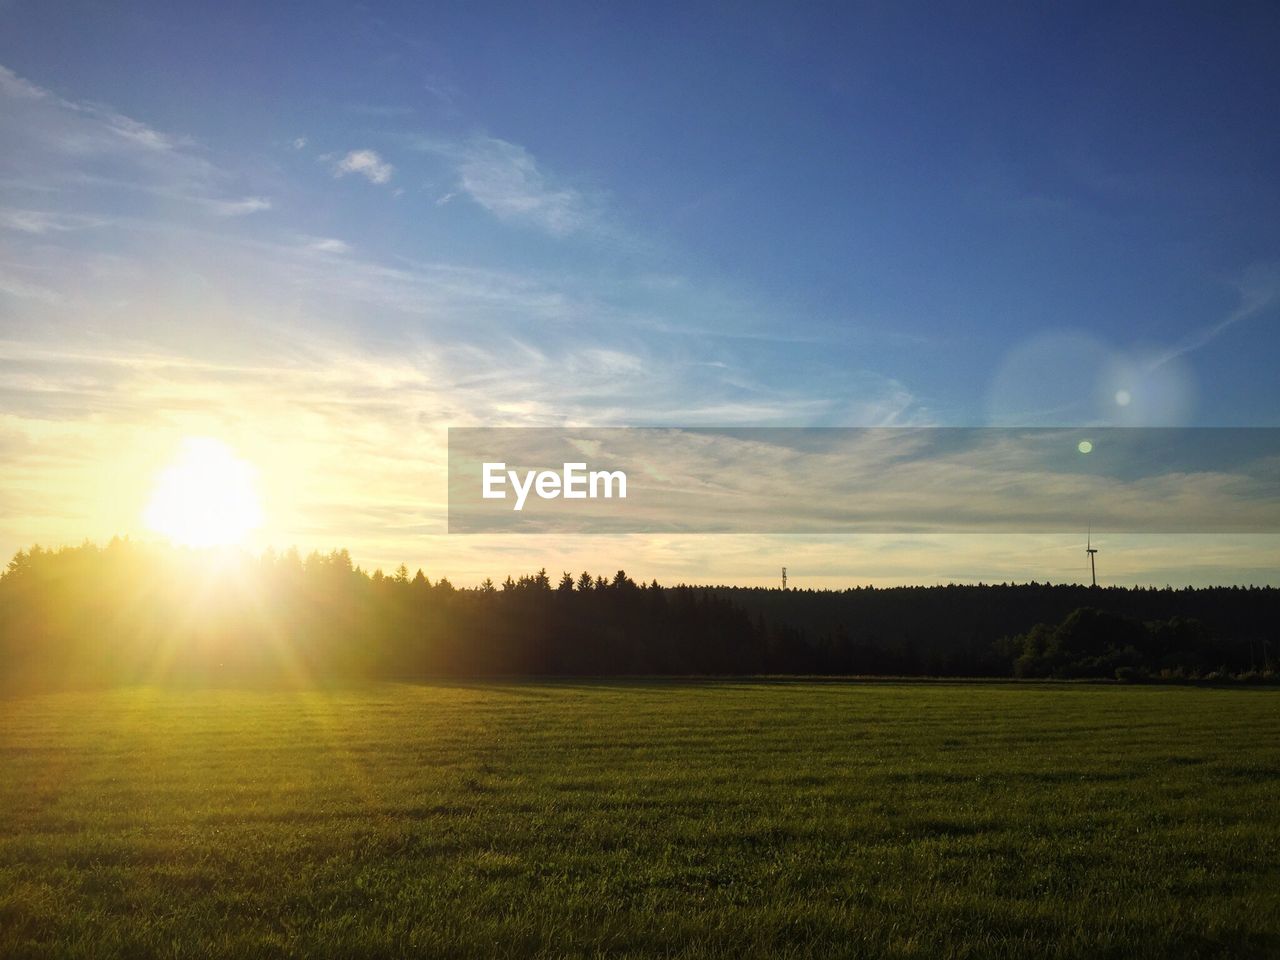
x,y
725,820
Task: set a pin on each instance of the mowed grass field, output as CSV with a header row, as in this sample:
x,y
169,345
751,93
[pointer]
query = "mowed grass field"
x,y
641,820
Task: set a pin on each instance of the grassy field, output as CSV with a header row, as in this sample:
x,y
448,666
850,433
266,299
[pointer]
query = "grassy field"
x,y
725,820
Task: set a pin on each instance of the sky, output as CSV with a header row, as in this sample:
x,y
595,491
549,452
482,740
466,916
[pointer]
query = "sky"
x,y
323,233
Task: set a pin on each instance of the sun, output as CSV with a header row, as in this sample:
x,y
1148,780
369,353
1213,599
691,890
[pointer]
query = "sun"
x,y
206,497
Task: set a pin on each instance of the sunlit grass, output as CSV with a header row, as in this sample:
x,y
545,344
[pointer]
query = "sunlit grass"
x,y
639,820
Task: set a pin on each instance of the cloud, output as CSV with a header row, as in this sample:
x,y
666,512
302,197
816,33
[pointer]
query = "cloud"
x,y
505,179
52,144
367,163
45,221
443,92
12,85
132,131
328,245
350,453
13,286
1258,290
108,130
238,208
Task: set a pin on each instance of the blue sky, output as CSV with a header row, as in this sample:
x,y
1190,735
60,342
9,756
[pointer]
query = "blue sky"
x,y
343,224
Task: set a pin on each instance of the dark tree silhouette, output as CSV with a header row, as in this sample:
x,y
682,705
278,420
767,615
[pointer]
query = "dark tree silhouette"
x,y
133,613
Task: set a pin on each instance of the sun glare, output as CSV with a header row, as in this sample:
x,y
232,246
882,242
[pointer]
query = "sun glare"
x,y
206,497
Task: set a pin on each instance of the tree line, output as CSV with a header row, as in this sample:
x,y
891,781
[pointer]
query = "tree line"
x,y
130,613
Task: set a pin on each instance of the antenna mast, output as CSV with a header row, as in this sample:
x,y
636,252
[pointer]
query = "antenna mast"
x,y
784,578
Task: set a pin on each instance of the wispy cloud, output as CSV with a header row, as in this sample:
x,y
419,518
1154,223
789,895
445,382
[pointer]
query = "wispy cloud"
x,y
15,286
52,144
46,221
12,85
328,245
366,163
505,179
1259,291
238,208
109,130
444,93
605,352
132,131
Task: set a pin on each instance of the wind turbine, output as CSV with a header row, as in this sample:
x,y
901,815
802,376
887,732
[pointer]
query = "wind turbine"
x,y
1090,549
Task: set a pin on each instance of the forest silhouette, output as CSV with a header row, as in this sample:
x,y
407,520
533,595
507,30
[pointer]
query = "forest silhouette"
x,y
133,613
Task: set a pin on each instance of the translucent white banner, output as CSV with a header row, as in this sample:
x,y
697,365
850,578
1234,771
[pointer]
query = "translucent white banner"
x,y
864,480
